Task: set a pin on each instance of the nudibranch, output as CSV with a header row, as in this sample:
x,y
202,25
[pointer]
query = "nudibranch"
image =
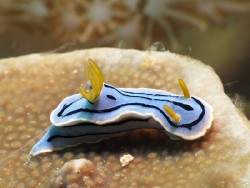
x,y
103,111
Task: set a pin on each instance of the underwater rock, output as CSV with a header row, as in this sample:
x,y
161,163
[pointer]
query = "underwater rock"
x,y
33,85
126,159
77,173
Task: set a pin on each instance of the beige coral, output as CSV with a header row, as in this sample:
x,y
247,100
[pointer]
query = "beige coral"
x,y
33,85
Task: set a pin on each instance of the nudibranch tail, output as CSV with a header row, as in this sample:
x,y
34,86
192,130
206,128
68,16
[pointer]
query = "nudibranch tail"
x,y
184,88
172,113
96,78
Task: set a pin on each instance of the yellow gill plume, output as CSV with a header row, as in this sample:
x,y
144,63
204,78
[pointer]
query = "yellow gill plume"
x,y
96,78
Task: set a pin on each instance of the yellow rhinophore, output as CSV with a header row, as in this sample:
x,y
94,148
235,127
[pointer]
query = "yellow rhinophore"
x,y
184,88
172,113
96,78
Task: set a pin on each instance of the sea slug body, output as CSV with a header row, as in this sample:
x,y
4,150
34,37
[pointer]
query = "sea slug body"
x,y
104,111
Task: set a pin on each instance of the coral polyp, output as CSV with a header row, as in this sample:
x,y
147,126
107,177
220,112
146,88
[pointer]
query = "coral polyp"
x,y
88,19
106,22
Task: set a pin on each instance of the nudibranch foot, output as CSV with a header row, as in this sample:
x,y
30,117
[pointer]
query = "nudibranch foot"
x,y
58,138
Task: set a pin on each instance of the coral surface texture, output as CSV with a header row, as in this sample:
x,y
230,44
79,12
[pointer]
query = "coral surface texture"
x,y
33,85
